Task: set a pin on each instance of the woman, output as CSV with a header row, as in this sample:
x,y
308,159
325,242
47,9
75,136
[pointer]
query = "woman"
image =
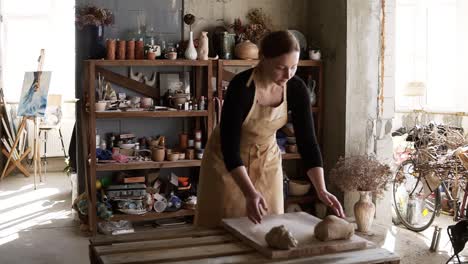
x,y
241,172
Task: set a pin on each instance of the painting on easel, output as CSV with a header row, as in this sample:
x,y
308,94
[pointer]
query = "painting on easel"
x,y
33,101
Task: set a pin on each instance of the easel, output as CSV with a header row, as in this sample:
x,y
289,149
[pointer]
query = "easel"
x,y
36,157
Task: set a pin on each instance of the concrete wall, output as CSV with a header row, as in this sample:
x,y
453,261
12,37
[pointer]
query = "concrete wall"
x,y
369,117
285,14
327,26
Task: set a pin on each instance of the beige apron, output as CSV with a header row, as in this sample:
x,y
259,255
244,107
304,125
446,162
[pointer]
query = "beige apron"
x,y
218,195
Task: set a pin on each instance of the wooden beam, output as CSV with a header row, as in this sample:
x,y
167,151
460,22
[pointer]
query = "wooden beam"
x,y
128,83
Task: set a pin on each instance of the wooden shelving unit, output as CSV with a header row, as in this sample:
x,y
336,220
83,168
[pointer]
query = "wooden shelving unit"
x,y
202,72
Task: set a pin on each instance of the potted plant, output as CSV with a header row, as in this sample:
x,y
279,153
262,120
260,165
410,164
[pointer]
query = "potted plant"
x,y
366,175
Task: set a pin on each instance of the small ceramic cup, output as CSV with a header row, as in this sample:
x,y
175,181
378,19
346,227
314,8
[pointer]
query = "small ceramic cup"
x,y
171,55
182,155
151,55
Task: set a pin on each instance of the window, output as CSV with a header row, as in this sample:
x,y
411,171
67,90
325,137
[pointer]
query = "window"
x,y
28,26
431,46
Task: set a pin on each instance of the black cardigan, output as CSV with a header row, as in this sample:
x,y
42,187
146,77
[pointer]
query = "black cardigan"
x,y
236,107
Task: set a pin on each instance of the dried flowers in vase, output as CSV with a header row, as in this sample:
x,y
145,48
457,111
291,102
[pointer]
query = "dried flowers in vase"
x,y
93,16
259,25
361,173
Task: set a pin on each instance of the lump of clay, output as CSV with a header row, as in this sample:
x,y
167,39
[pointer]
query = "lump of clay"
x,y
279,237
333,228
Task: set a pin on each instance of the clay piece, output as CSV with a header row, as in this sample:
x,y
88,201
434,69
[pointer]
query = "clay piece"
x,y
333,228
280,238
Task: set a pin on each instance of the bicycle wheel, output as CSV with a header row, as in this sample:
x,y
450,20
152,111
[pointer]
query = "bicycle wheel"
x,y
415,206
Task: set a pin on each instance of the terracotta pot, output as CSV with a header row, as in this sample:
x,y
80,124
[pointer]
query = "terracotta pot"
x,y
158,154
246,50
364,211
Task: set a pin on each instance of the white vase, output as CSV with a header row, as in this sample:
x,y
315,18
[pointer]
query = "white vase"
x,y
191,52
203,46
364,211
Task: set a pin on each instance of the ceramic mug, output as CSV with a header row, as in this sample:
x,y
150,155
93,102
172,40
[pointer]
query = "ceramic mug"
x,y
172,55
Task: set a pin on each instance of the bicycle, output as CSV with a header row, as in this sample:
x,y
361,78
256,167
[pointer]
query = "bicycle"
x,y
428,168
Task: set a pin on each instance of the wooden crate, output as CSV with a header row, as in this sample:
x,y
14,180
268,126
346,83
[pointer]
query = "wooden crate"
x,y
190,245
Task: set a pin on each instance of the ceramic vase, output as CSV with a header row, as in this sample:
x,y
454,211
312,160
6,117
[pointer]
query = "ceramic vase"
x,y
91,41
203,46
191,52
311,84
364,211
246,50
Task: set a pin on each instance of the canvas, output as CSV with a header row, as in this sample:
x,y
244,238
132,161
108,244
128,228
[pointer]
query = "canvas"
x,y
33,100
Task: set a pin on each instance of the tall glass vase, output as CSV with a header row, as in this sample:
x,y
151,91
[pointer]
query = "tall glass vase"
x,y
191,52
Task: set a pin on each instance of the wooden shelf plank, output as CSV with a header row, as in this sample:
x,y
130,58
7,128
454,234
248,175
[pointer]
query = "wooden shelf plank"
x,y
254,62
291,156
151,62
146,114
152,215
128,83
147,165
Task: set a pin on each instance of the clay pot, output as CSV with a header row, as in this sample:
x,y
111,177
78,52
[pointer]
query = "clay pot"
x,y
364,211
246,50
158,154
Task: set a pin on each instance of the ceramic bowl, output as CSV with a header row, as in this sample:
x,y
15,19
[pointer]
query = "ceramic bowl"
x,y
298,188
174,156
127,146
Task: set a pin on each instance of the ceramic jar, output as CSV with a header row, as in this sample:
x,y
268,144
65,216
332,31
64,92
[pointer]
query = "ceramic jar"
x,y
246,50
364,211
203,46
190,52
158,154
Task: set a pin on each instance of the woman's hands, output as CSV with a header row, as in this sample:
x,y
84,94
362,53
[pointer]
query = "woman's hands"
x,y
331,201
316,176
256,207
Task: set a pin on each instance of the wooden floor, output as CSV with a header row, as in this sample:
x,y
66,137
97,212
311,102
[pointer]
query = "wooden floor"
x,y
190,245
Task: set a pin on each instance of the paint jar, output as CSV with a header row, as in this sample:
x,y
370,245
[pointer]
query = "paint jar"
x,y
200,154
198,144
198,135
190,154
191,143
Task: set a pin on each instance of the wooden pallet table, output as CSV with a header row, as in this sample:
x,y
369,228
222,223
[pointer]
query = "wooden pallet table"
x,y
191,245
